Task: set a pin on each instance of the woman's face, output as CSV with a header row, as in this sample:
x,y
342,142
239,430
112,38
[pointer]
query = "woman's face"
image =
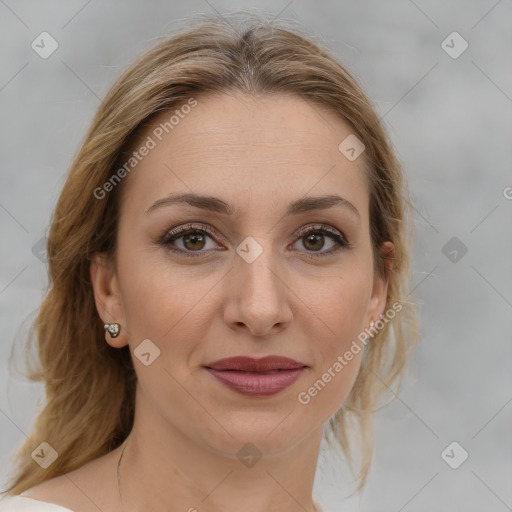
x,y
261,280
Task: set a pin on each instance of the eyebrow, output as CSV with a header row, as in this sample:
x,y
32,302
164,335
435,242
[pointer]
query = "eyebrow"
x,y
214,204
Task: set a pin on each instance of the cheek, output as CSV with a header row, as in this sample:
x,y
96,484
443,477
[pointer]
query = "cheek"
x,y
337,338
163,303
338,354
340,303
172,309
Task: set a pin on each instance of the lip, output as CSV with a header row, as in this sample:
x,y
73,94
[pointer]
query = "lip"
x,y
250,377
250,364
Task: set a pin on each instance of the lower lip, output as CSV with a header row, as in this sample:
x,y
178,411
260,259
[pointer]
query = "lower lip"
x,y
257,384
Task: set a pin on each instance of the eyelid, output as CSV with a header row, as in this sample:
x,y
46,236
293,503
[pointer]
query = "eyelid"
x,y
320,227
175,233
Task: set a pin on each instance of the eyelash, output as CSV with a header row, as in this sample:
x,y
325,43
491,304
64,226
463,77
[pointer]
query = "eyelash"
x,y
174,235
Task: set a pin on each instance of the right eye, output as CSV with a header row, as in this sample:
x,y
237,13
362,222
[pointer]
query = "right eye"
x,y
192,237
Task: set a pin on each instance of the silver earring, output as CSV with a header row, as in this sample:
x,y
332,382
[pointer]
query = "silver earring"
x,y
113,329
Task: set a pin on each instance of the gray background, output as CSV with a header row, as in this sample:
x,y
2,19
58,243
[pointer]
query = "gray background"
x,y
450,120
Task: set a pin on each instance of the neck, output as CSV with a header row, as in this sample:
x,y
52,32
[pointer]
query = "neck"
x,y
161,469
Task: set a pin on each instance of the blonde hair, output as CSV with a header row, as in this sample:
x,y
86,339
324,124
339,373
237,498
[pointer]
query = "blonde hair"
x,y
90,387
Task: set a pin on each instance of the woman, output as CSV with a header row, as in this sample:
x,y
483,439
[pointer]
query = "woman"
x,y
228,267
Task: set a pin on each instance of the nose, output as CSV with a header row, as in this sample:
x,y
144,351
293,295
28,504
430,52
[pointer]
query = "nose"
x,y
257,296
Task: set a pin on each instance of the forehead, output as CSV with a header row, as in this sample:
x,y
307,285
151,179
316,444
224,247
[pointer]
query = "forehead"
x,y
229,144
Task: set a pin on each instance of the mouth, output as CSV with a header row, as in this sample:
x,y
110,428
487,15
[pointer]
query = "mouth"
x,y
256,377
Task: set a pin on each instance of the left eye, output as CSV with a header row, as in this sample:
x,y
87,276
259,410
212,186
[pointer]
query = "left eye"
x,y
315,240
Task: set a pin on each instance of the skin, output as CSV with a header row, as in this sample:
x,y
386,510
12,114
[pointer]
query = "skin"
x,y
257,154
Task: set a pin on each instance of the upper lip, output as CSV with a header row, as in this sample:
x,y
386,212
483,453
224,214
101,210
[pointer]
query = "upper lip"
x,y
249,364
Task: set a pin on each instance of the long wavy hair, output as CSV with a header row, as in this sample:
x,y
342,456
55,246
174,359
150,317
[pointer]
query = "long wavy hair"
x,y
90,386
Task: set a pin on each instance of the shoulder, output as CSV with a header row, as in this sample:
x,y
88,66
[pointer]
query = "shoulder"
x,y
15,503
89,488
55,495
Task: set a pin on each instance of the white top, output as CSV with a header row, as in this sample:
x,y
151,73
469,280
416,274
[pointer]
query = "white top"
x,y
14,503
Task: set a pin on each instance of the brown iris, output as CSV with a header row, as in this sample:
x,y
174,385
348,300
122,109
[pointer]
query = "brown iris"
x,y
193,239
317,241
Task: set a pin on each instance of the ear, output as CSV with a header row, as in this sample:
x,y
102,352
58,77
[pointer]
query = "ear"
x,y
377,301
107,297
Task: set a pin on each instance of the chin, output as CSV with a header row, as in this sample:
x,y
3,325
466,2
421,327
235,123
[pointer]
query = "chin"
x,y
271,433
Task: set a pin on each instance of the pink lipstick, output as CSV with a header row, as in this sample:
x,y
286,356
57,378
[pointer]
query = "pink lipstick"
x,y
256,377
